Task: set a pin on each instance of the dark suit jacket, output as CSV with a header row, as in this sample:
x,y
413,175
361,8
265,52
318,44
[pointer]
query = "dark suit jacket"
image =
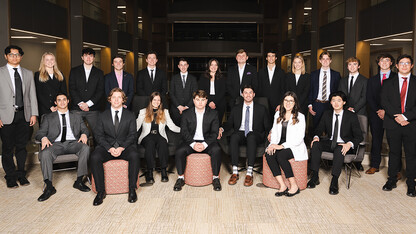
x,y
128,86
46,93
350,127
261,120
373,92
105,133
178,94
233,80
357,98
274,91
210,126
204,83
145,86
301,89
390,101
51,126
81,91
313,93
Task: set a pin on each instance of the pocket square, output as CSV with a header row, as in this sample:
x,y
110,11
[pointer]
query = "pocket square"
x,y
248,73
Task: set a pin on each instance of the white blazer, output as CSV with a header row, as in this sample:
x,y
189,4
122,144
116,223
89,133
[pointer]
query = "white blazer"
x,y
294,136
147,126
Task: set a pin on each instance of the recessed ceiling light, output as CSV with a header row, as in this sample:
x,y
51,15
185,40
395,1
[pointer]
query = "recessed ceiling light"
x,y
375,44
123,12
23,37
401,39
49,42
307,8
139,17
306,13
121,7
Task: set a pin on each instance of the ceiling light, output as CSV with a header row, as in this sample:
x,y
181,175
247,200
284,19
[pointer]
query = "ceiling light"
x,y
401,39
123,12
49,42
307,8
334,50
139,17
33,33
375,44
306,13
121,7
23,37
393,35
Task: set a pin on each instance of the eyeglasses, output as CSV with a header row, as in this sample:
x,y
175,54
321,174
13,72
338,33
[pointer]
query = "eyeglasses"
x,y
404,63
14,55
289,101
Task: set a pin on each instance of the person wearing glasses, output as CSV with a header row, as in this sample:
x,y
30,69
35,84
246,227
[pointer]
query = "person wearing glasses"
x,y
398,99
286,143
19,108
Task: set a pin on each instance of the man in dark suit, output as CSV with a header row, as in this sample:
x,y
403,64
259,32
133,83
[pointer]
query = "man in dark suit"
x,y
324,81
18,111
62,132
250,122
151,79
118,78
116,135
239,76
86,88
199,130
272,82
375,111
182,86
398,99
343,134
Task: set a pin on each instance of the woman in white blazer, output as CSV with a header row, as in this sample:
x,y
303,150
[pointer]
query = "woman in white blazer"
x,y
286,143
152,120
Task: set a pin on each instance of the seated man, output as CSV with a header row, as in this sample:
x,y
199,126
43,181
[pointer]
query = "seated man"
x,y
250,122
62,132
116,138
199,130
343,136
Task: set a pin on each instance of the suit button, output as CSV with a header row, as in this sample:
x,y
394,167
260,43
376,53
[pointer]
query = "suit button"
x,y
85,90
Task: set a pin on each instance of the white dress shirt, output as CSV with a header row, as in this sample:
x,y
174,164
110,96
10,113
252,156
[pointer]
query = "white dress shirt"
x,y
212,88
69,134
243,119
199,134
241,72
355,75
11,72
113,112
87,73
297,76
184,74
154,72
271,72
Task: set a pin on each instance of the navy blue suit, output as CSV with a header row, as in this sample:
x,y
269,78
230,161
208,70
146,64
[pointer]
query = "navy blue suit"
x,y
111,82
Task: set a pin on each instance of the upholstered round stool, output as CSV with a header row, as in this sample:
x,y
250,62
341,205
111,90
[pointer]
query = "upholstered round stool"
x,y
116,177
198,171
300,171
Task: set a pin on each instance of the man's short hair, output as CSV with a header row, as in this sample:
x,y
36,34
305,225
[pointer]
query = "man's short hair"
x,y
338,94
61,94
118,56
200,93
151,52
405,56
353,59
247,87
271,52
14,47
88,51
240,51
325,53
182,60
381,56
117,89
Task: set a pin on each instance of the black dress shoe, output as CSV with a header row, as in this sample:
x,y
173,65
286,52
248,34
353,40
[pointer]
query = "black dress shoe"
x,y
132,196
217,184
411,192
11,183
179,184
292,194
312,183
23,181
98,200
333,188
149,177
81,186
47,194
390,185
164,174
279,194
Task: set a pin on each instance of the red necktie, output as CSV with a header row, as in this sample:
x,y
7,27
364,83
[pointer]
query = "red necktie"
x,y
403,92
384,77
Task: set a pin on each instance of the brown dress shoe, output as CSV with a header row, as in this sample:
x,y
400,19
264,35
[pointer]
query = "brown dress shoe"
x,y
399,176
248,181
372,170
233,179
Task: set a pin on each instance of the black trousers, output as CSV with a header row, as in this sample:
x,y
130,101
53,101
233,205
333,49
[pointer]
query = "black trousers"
x,y
175,115
251,141
325,145
280,159
212,150
396,138
319,108
377,132
151,143
100,156
14,137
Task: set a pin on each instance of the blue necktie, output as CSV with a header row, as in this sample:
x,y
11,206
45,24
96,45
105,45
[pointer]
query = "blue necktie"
x,y
247,122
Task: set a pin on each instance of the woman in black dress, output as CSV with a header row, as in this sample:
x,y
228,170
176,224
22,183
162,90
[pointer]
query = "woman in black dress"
x,y
299,82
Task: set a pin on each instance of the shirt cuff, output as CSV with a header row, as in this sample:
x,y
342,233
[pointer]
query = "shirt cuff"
x,y
205,144
309,105
79,104
192,145
352,144
404,117
90,103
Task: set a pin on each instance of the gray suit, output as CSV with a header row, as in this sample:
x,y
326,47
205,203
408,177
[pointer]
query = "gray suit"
x,y
51,128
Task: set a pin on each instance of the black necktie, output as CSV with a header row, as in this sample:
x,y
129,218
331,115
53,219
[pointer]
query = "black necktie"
x,y
63,138
18,97
151,75
116,121
335,136
351,84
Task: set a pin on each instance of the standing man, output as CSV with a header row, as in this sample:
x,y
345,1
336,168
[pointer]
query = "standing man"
x,y
324,81
250,122
116,135
182,86
239,76
375,111
151,79
86,88
199,130
118,78
62,132
398,99
272,82
19,108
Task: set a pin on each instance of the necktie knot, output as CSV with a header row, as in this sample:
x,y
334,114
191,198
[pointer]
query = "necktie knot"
x,y
15,69
404,78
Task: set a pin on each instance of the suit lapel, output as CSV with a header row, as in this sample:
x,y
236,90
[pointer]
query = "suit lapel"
x,y
72,122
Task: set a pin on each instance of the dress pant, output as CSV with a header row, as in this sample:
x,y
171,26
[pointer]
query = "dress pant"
x,y
251,142
280,159
325,145
396,138
319,108
90,117
220,108
151,143
14,138
377,132
49,154
212,150
100,156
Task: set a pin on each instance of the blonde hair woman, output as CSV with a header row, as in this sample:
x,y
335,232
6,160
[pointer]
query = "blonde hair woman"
x,y
298,81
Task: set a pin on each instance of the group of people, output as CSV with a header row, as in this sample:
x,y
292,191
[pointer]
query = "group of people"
x,y
101,107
